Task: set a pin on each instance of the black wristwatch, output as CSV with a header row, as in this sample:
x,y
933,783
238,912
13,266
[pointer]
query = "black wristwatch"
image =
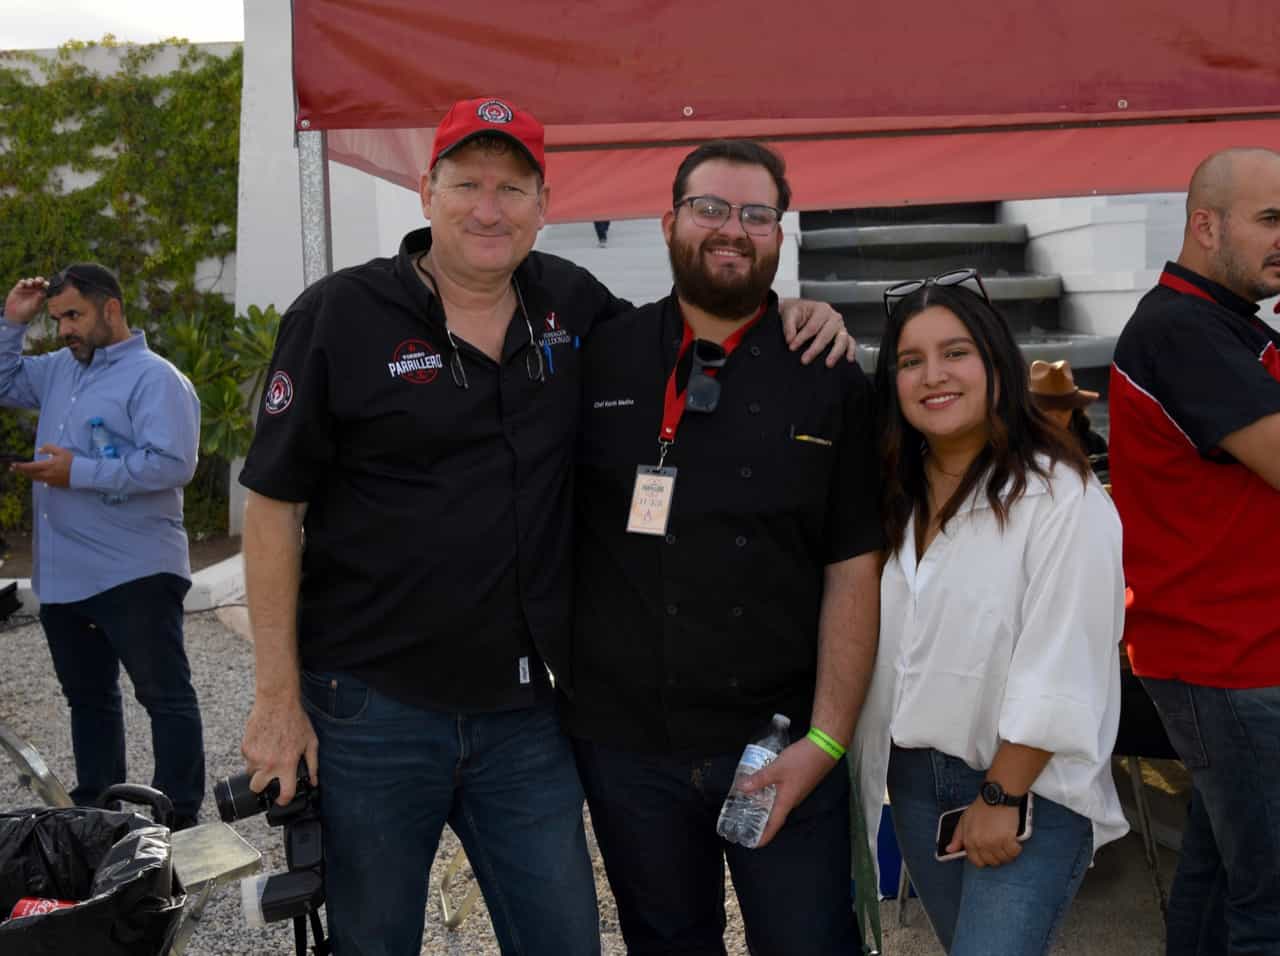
x,y
993,795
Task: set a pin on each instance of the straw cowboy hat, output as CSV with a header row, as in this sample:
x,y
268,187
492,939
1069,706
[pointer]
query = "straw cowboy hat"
x,y
1053,386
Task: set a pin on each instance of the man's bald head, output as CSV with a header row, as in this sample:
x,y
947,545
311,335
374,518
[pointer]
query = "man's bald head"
x,y
1214,183
1233,222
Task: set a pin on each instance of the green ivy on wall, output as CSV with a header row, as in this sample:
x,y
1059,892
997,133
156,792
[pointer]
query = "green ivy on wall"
x,y
137,171
164,151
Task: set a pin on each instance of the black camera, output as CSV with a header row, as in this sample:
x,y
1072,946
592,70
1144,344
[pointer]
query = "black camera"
x,y
237,802
299,891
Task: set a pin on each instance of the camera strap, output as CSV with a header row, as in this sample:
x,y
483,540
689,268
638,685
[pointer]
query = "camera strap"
x,y
322,947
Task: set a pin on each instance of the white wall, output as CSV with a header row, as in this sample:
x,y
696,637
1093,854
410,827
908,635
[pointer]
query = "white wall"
x,y
268,231
1100,246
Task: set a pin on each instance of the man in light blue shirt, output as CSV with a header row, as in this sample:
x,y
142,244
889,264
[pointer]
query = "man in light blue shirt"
x,y
116,442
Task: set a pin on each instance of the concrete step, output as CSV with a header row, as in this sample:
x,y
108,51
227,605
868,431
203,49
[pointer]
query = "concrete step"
x,y
1089,355
1025,316
898,215
1027,302
896,263
855,238
911,251
1005,288
214,586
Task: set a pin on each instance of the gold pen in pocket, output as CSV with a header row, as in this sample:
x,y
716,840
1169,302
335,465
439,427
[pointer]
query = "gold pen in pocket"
x,y
799,436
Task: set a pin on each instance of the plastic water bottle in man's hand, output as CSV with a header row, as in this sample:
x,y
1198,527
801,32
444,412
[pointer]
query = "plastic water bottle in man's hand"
x,y
744,815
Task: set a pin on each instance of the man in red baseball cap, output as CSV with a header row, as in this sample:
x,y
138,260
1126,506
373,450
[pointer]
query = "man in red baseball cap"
x,y
420,428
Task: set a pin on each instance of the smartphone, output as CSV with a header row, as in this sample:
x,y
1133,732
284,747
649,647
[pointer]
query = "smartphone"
x,y
948,822
7,458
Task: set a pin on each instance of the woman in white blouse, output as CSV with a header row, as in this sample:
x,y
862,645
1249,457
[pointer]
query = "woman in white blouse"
x,y
1002,604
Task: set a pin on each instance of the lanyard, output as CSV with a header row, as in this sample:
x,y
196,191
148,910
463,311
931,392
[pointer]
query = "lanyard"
x,y
673,404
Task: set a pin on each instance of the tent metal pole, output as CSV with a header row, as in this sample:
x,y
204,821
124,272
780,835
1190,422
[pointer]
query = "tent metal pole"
x,y
313,183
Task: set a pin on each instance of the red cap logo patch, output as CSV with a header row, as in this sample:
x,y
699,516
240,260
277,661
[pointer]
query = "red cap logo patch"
x,y
279,394
494,111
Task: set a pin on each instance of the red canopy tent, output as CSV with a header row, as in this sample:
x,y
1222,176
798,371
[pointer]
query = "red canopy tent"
x,y
872,103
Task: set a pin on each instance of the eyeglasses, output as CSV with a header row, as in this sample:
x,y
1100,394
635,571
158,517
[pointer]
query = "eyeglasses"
x,y
59,281
956,277
712,212
703,390
533,366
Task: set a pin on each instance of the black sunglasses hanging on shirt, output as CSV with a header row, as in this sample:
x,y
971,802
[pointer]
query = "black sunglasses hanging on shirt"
x,y
703,389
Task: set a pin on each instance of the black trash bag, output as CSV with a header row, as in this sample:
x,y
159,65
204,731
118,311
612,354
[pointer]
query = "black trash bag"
x,y
118,869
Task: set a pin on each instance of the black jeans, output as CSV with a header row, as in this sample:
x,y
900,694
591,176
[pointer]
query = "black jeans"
x,y
655,816
138,624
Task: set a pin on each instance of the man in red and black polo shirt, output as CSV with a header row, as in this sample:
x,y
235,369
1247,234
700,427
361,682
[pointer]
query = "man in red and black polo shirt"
x,y
1195,462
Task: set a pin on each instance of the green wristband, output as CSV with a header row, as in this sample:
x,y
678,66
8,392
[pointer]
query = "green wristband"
x,y
825,743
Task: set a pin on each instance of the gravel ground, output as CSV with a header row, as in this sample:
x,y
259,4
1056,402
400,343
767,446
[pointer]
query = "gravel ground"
x,y
1114,914
222,668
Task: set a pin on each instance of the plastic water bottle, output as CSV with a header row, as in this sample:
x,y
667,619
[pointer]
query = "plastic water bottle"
x,y
744,816
103,448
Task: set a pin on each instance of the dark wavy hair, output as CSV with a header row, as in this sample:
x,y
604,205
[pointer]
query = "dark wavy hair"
x,y
1017,430
746,152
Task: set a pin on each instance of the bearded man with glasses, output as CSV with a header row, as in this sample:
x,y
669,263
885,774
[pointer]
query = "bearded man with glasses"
x,y
117,441
418,425
727,562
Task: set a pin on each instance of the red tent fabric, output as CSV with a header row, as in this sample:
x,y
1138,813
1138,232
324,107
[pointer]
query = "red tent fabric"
x,y
872,103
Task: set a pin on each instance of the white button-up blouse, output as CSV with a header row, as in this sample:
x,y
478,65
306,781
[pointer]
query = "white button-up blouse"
x,y
1006,635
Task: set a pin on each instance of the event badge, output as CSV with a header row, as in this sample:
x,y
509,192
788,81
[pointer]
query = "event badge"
x,y
651,500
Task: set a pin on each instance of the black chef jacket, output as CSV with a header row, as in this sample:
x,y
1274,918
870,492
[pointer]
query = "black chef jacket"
x,y
436,559
688,643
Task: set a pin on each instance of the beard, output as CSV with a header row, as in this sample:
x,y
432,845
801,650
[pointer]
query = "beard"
x,y
98,336
1238,274
719,294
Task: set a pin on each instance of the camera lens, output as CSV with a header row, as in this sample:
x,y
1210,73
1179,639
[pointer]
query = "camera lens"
x,y
235,800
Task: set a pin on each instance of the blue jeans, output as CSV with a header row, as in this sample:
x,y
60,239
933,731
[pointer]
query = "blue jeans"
x,y
654,817
392,775
1010,910
1226,892
138,624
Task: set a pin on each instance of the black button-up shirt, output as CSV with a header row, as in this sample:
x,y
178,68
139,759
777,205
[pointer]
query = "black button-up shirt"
x,y
689,642
437,534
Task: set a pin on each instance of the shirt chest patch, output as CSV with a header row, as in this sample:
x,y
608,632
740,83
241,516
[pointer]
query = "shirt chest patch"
x,y
415,361
554,333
